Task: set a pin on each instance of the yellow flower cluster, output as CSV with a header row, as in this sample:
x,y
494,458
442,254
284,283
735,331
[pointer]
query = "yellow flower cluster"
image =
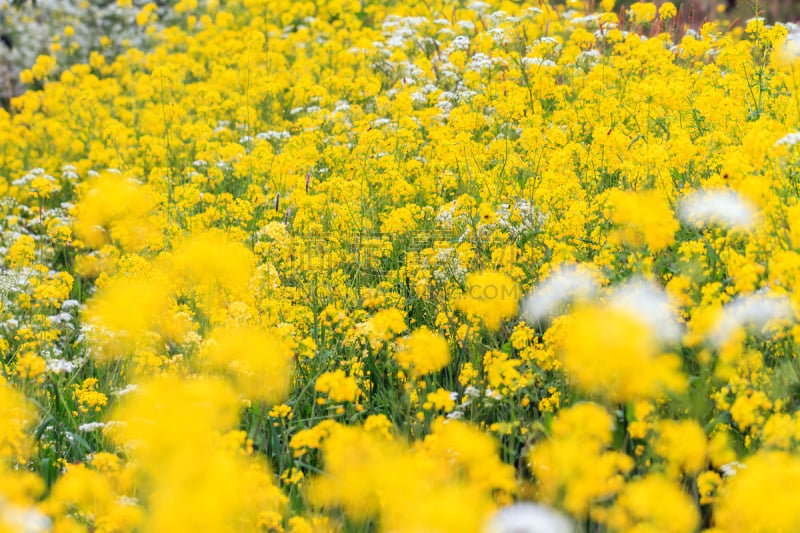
x,y
447,479
423,352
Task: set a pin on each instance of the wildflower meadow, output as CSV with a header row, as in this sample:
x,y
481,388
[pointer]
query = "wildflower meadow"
x,y
420,266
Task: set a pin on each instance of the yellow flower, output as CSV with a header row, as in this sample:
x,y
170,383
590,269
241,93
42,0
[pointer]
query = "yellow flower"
x,y
17,413
423,352
612,352
441,478
386,324
145,14
259,363
441,400
115,209
125,314
170,426
643,218
745,505
683,444
337,386
88,397
31,366
21,253
492,297
643,12
26,76
707,484
281,411
574,467
654,504
213,268
667,11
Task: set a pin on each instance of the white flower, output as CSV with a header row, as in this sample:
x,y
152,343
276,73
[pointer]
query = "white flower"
x,y
460,43
650,304
722,207
341,106
127,390
466,25
493,394
730,469
91,426
528,518
24,520
790,139
57,366
66,305
561,287
791,46
588,19
479,6
757,310
480,62
128,500
590,57
472,392
60,319
537,62
498,16
380,122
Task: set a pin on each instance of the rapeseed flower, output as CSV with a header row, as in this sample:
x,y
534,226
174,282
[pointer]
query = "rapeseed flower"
x,y
614,353
574,468
644,218
338,387
259,363
744,505
423,352
654,504
490,296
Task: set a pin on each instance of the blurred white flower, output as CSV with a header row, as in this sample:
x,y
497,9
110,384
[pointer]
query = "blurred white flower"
x,y
755,310
723,207
472,392
791,46
560,288
126,390
91,426
790,139
528,518
730,469
24,520
650,304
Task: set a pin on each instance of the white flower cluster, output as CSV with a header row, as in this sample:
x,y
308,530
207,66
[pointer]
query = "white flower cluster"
x,y
569,283
722,207
759,311
28,29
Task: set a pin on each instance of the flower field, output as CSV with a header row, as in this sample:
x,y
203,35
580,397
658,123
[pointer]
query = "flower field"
x,y
421,266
